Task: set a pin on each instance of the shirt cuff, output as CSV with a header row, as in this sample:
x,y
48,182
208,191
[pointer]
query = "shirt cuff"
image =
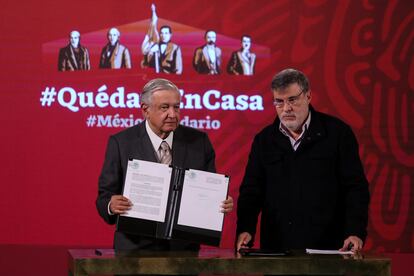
x,y
109,210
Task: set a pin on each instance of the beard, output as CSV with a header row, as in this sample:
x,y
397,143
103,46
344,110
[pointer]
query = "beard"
x,y
291,122
291,125
294,121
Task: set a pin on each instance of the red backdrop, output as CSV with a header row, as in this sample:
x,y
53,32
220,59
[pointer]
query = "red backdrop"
x,y
358,56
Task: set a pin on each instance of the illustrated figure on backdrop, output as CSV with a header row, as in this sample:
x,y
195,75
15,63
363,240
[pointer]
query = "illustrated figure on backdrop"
x,y
242,61
207,58
158,50
161,139
74,56
304,175
114,55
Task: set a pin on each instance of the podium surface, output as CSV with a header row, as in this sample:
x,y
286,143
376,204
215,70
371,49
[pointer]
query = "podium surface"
x,y
220,261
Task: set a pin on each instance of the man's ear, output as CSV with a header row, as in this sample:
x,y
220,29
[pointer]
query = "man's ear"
x,y
309,95
144,109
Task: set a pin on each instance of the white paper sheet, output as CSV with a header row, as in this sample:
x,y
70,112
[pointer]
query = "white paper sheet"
x,y
147,186
201,198
328,252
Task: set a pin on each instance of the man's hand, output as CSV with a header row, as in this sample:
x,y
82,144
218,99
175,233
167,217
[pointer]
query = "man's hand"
x,y
119,204
227,205
242,240
154,16
352,243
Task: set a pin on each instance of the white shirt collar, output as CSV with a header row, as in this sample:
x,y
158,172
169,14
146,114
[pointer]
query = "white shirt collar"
x,y
156,140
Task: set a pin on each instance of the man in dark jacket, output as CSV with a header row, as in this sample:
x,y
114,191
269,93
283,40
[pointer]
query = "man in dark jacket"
x,y
305,177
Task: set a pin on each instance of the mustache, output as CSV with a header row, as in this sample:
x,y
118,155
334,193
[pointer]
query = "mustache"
x,y
288,115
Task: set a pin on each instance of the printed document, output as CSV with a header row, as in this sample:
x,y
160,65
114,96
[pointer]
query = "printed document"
x,y
147,186
201,198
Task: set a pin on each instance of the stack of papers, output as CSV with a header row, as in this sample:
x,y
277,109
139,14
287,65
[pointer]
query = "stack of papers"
x,y
328,252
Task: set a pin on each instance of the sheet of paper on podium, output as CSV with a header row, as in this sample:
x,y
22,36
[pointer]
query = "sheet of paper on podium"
x,y
173,203
328,252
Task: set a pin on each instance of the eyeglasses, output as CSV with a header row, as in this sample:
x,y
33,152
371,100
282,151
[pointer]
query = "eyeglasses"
x,y
291,101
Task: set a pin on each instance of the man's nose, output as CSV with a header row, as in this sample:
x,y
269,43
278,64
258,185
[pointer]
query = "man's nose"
x,y
287,107
171,112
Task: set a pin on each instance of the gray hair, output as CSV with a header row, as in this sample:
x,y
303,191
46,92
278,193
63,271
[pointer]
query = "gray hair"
x,y
290,76
155,85
116,31
75,32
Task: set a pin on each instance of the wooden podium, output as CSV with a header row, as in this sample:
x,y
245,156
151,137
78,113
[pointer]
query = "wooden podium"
x,y
220,261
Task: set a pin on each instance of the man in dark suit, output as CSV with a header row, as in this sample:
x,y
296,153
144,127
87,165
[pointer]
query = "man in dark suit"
x,y
114,55
74,56
242,61
305,176
207,58
190,148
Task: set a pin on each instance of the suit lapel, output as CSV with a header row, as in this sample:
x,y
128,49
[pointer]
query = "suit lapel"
x,y
72,56
179,148
114,54
145,150
168,50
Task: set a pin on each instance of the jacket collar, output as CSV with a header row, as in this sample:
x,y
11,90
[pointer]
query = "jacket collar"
x,y
144,147
179,147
